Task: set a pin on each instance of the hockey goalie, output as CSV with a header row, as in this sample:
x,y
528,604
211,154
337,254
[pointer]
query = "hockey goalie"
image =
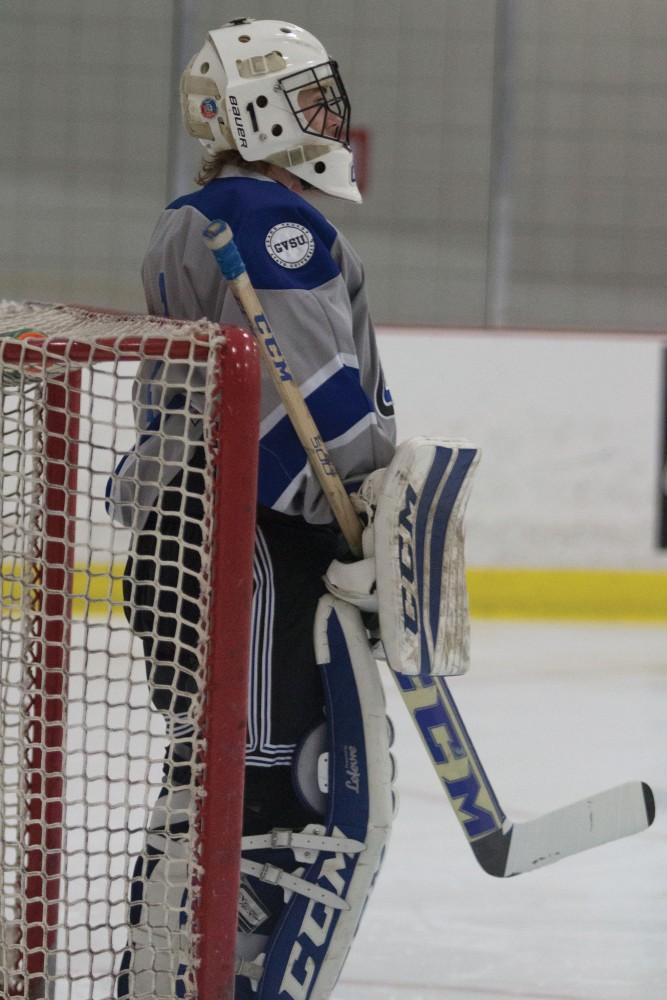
x,y
269,106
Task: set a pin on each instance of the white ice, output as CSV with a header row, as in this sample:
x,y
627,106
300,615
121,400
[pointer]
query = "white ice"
x,y
557,711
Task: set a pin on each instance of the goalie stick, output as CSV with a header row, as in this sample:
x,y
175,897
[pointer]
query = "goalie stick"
x,y
501,847
504,848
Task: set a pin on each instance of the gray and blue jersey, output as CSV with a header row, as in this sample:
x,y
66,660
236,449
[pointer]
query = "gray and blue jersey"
x,y
311,285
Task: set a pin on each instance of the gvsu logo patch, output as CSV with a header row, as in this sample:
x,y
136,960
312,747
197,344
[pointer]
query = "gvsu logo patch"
x,y
290,244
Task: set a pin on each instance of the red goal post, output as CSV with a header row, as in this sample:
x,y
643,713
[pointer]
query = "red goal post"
x,y
70,670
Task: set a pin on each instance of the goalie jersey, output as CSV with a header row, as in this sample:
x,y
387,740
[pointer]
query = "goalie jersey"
x,y
311,285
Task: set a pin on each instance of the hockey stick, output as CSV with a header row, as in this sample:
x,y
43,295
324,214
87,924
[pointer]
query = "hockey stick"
x,y
501,847
219,238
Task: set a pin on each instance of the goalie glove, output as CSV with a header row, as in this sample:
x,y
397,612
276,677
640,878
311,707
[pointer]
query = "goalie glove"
x,y
355,582
413,570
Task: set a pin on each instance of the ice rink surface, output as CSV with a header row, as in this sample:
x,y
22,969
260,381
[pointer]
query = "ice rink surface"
x,y
557,711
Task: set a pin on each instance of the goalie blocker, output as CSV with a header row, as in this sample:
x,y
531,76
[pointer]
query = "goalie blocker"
x,y
413,573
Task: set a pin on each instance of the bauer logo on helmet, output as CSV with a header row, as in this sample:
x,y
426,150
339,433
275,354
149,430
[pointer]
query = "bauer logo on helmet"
x,y
238,121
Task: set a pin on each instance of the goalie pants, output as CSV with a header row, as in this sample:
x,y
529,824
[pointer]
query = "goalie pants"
x,y
163,606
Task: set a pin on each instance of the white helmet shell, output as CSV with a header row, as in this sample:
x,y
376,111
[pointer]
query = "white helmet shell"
x,y
269,90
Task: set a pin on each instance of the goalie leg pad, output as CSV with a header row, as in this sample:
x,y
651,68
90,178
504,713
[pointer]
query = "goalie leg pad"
x,y
303,892
332,866
155,962
419,554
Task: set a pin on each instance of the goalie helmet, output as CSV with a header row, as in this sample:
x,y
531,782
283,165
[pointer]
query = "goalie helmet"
x,y
268,90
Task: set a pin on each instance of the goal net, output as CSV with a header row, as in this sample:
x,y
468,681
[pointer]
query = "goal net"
x,y
90,400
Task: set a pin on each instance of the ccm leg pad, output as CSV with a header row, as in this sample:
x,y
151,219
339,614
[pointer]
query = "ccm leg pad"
x,y
321,876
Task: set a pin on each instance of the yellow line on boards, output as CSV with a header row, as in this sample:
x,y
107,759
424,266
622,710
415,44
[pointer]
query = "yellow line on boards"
x,y
574,594
586,594
97,590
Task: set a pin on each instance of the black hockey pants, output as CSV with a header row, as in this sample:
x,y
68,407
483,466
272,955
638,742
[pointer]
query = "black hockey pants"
x,y
162,594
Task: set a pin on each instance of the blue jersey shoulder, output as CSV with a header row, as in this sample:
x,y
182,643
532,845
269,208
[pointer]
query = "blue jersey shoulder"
x,y
285,242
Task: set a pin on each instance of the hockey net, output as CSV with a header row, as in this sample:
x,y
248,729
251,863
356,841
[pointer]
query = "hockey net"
x,y
81,747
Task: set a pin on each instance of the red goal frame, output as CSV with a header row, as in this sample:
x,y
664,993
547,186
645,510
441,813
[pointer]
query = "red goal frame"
x,y
236,406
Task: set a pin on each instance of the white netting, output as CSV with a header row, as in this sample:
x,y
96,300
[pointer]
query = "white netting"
x,y
72,673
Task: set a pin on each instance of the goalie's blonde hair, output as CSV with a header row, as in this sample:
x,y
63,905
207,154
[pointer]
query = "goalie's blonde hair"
x,y
211,165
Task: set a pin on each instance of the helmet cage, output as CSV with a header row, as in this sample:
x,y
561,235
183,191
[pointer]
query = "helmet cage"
x,y
325,111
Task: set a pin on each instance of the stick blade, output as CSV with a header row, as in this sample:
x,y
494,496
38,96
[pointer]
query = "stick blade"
x,y
607,816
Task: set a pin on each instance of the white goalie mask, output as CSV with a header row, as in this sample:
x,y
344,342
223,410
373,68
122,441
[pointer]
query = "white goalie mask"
x,y
268,90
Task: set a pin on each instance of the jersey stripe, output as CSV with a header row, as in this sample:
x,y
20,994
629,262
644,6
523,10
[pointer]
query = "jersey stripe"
x,y
312,383
339,407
